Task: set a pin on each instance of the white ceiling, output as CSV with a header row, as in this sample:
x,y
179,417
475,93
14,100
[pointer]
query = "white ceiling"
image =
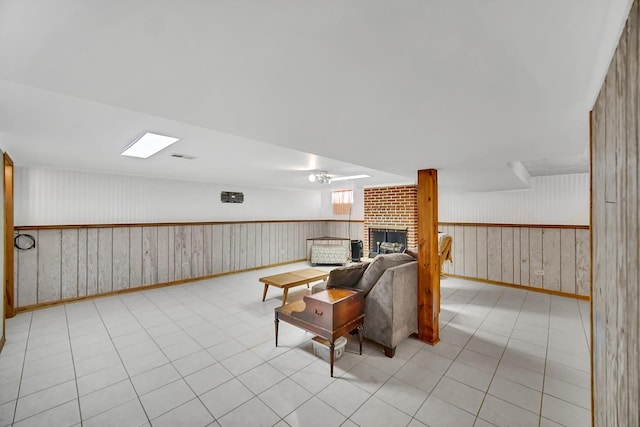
x,y
262,92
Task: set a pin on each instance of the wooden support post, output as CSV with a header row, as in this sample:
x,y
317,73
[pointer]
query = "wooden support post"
x,y
8,237
428,261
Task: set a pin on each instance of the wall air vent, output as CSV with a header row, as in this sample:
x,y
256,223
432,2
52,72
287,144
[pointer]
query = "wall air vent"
x,y
231,197
182,156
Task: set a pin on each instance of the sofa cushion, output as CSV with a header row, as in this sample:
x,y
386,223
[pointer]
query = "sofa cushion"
x,y
346,277
378,267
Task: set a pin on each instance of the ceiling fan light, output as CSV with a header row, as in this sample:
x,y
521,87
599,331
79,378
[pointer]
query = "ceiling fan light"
x,y
347,178
321,177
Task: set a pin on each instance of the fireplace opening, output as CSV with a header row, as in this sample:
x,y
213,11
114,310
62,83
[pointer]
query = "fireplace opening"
x,y
386,240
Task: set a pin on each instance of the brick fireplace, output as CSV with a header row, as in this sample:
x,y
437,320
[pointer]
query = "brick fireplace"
x,y
391,208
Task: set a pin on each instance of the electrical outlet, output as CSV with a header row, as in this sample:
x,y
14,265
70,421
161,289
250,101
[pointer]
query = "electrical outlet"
x,y
538,272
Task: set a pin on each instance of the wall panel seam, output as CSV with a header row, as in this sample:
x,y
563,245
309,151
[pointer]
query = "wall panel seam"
x,y
60,264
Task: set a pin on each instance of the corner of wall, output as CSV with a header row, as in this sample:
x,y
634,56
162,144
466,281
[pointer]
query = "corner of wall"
x,y
2,291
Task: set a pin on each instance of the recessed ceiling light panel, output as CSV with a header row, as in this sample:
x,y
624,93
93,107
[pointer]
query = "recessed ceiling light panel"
x,y
148,145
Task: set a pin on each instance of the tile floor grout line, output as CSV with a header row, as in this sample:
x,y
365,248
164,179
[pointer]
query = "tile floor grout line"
x,y
458,355
502,355
121,361
24,358
73,363
179,326
546,355
586,335
267,405
486,393
546,360
521,306
170,362
217,362
373,394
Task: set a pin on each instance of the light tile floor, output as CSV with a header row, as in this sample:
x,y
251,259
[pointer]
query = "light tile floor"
x,y
203,354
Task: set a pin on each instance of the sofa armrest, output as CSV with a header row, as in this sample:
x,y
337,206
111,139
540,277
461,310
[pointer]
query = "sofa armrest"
x,y
319,287
391,308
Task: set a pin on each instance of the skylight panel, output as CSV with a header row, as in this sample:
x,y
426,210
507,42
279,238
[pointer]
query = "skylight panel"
x,y
148,145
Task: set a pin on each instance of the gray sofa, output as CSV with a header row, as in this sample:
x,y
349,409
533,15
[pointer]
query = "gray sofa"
x,y
390,285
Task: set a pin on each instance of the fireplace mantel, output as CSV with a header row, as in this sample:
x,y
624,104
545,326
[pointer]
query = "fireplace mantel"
x,y
386,228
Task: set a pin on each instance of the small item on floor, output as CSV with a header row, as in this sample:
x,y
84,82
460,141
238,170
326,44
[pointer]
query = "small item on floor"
x,y
321,348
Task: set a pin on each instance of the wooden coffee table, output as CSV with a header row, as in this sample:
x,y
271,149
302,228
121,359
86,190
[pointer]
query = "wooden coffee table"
x,y
291,279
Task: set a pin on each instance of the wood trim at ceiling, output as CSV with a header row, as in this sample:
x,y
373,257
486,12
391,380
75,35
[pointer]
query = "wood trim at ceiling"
x,y
487,224
172,224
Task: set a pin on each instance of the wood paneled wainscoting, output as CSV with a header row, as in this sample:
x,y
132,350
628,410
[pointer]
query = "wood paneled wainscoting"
x,y
615,217
547,258
74,262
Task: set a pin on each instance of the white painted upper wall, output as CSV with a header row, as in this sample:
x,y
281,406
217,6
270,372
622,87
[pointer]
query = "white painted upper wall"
x,y
59,197
560,199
